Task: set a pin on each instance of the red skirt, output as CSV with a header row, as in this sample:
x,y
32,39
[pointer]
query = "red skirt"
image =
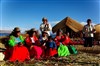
x,y
17,53
51,52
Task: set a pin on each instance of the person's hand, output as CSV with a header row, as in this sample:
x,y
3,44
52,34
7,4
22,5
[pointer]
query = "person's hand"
x,y
20,43
86,30
31,47
47,24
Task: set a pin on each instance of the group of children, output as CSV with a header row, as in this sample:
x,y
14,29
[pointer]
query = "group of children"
x,y
44,46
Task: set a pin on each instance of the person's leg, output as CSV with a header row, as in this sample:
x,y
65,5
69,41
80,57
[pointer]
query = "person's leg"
x,y
90,41
85,42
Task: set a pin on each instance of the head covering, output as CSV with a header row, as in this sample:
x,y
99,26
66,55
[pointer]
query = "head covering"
x,y
33,30
59,30
16,29
88,20
44,32
44,18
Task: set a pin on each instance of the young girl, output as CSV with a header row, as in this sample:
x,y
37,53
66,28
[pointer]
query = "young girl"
x,y
51,47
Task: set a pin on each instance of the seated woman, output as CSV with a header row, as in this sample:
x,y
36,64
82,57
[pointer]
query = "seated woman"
x,y
66,40
59,37
16,51
51,47
32,44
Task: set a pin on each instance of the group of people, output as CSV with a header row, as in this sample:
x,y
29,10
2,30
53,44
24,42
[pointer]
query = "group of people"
x,y
44,46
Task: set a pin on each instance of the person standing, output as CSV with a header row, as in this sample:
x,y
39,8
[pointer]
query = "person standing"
x,y
88,33
45,26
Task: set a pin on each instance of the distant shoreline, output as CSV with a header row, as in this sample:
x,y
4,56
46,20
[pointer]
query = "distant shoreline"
x,y
4,34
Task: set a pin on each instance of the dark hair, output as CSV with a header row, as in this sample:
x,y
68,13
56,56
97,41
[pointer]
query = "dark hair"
x,y
50,37
59,30
66,32
88,20
44,19
44,33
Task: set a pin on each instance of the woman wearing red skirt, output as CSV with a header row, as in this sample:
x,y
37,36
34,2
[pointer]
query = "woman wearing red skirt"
x,y
16,51
59,37
33,44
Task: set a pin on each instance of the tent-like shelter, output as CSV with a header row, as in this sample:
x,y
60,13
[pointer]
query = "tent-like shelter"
x,y
68,25
97,34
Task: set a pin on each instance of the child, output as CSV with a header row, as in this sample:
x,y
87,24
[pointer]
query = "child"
x,y
51,47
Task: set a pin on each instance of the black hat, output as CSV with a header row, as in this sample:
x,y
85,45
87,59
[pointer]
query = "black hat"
x,y
44,19
59,30
16,29
33,30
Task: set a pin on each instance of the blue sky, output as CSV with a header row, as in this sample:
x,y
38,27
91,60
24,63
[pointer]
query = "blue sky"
x,y
27,14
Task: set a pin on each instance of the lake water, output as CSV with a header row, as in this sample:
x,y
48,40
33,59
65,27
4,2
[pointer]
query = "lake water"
x,y
4,34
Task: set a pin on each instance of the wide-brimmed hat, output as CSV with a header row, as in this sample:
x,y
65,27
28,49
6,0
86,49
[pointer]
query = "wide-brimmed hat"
x,y
44,32
33,30
16,29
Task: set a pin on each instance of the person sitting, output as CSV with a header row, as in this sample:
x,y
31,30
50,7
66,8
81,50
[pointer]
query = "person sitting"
x,y
43,39
58,38
33,44
51,47
66,40
16,51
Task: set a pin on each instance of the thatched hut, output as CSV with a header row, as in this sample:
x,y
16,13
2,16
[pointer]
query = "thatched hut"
x,y
97,34
69,25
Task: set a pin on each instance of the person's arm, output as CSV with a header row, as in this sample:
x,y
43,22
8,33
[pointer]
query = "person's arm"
x,y
84,29
22,39
49,27
55,46
28,42
94,31
41,27
11,41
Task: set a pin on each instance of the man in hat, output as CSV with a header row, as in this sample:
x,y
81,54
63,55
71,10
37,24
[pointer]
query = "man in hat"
x,y
88,32
45,26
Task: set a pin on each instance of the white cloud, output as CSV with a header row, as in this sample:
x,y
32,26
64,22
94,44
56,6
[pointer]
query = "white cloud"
x,y
11,28
54,22
84,23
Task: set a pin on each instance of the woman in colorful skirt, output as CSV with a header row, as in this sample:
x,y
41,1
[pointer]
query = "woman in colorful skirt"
x,y
16,51
33,44
59,37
